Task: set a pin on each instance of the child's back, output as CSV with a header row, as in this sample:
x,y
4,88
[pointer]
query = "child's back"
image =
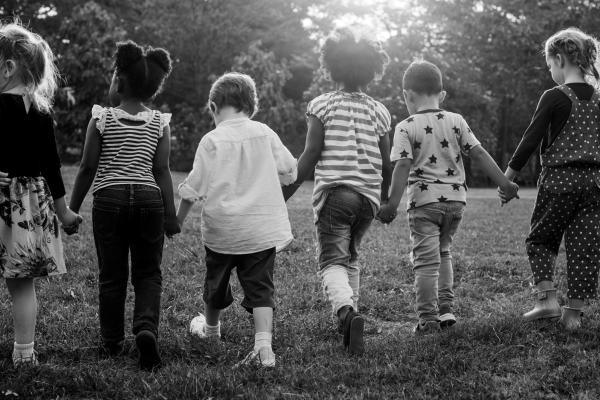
x,y
236,170
352,124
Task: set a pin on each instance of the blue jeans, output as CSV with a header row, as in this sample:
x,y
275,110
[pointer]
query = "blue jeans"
x,y
343,221
432,227
128,219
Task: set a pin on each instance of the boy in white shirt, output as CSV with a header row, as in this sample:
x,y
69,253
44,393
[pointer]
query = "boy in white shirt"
x,y
238,172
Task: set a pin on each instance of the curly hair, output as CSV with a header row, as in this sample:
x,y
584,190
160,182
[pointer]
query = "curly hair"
x,y
351,60
144,69
236,90
576,46
35,60
423,77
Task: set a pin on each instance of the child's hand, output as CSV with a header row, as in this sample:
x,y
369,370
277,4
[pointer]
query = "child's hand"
x,y
4,179
172,227
508,192
70,222
386,213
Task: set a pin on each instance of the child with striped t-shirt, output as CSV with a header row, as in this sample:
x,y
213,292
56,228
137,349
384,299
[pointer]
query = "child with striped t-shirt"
x,y
428,150
348,142
127,151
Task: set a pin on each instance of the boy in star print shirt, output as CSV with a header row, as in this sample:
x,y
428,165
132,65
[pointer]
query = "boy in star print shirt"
x,y
428,149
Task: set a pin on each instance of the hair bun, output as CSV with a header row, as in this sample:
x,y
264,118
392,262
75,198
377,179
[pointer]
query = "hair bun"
x,y
127,53
160,57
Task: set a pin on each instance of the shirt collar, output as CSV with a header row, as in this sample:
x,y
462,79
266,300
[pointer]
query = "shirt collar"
x,y
233,121
429,110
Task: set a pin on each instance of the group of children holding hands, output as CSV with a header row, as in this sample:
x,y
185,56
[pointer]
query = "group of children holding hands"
x,y
243,174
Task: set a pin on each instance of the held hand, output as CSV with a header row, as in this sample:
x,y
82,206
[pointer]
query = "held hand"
x,y
4,179
508,192
70,222
172,227
386,213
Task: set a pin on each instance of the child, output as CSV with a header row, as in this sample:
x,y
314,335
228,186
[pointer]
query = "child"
x,y
348,142
127,151
238,171
427,149
31,191
568,202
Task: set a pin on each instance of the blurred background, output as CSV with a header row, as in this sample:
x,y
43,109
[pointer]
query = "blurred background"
x,y
489,51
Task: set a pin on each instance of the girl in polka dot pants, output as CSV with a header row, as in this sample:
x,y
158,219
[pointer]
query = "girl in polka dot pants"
x,y
568,201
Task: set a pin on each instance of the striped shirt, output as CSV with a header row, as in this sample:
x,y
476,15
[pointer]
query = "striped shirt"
x,y
127,151
352,123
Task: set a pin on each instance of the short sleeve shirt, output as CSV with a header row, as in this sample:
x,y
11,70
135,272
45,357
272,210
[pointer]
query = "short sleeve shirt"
x,y
353,124
435,141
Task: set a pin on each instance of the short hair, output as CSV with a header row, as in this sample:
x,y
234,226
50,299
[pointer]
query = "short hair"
x,y
576,46
353,60
423,77
236,90
35,60
144,69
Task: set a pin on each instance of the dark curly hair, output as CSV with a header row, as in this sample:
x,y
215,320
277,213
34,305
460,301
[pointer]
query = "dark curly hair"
x,y
576,46
353,61
144,68
236,90
423,77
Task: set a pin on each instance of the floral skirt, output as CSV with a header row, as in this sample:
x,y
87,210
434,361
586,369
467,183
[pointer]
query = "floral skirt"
x,y
30,243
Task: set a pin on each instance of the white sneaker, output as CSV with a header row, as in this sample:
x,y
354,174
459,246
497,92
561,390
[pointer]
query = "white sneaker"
x,y
200,341
263,357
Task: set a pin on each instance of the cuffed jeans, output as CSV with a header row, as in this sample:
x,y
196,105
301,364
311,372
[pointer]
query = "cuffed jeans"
x,y
128,218
432,227
343,221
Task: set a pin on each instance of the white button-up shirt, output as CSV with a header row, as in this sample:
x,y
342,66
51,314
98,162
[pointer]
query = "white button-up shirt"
x,y
238,172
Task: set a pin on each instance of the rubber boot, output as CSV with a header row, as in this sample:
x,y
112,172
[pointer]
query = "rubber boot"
x,y
571,315
546,306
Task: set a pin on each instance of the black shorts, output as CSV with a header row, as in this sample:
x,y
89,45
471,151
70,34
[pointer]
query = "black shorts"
x,y
254,271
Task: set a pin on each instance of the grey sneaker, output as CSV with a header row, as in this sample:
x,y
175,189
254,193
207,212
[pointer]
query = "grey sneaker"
x,y
447,320
427,327
20,361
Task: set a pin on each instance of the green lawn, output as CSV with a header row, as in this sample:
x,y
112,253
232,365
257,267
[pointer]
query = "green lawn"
x,y
490,354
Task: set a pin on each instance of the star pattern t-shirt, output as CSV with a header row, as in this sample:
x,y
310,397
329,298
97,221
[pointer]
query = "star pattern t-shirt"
x,y
435,141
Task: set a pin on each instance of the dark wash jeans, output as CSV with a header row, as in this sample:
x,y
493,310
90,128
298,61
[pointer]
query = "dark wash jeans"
x,y
128,219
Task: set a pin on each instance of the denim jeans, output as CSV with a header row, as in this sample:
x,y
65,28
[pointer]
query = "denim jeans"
x,y
432,227
343,221
128,219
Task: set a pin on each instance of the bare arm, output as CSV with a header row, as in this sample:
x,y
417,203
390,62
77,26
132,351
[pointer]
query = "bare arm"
x,y
387,212
386,166
483,159
162,175
309,157
88,166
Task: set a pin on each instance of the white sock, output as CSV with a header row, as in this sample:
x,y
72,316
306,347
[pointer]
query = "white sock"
x,y
262,339
22,350
213,330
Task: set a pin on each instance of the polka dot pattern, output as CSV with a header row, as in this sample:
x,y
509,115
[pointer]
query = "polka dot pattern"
x,y
568,202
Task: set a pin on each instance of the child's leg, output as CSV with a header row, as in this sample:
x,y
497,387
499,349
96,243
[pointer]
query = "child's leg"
x,y
357,232
110,225
255,273
450,224
582,244
217,290
24,305
551,215
424,223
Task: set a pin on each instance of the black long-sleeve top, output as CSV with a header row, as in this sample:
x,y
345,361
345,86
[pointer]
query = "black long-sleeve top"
x,y
549,119
27,143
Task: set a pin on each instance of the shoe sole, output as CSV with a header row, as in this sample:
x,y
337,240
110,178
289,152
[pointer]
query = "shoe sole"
x,y
447,320
148,348
356,343
552,315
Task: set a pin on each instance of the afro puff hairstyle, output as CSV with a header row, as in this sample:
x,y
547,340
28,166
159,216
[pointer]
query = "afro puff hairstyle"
x,y
351,60
144,69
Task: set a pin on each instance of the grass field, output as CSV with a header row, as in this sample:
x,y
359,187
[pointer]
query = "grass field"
x,y
490,354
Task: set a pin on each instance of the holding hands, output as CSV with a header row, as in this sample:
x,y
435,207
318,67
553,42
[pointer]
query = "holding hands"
x,y
387,213
508,190
70,221
4,179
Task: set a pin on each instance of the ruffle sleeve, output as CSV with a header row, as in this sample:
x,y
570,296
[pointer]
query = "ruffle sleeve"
x,y
99,114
